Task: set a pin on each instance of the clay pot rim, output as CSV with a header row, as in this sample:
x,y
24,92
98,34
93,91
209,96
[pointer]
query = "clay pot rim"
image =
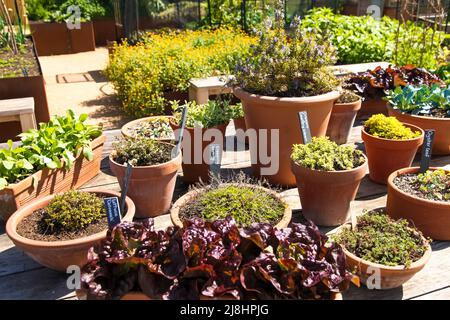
x,y
332,95
155,166
174,211
363,130
126,126
365,164
389,106
348,103
19,215
393,175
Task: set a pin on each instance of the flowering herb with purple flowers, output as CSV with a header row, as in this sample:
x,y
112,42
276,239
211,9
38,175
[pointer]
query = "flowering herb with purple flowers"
x,y
287,63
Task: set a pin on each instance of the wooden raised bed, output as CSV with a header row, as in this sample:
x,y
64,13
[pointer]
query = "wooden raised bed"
x,y
47,181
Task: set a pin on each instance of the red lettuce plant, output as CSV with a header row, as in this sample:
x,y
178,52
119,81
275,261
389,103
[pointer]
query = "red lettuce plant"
x,y
214,259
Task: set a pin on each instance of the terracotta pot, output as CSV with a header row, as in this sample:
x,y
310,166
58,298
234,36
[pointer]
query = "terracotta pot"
x,y
390,277
326,195
188,197
371,106
17,195
125,130
239,123
342,120
264,112
430,217
58,255
441,144
192,140
150,187
386,156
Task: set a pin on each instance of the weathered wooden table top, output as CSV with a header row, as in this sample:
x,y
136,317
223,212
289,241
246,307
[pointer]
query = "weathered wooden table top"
x,y
22,278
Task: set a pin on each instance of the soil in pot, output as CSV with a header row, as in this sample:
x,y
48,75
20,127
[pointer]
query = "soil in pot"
x,y
377,242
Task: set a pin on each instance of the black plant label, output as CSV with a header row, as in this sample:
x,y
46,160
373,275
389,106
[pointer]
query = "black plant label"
x,y
112,211
426,150
126,183
304,126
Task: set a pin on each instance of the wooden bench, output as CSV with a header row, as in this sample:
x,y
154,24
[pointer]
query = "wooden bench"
x,y
21,110
201,89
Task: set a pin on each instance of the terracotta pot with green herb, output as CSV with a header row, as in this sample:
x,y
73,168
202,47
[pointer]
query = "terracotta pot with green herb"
x,y
390,145
343,117
156,128
381,246
328,177
205,125
423,199
286,74
58,230
153,176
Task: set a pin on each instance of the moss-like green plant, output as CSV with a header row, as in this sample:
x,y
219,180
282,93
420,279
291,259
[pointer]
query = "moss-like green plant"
x,y
384,127
141,152
323,154
211,114
379,239
434,184
73,210
154,128
348,96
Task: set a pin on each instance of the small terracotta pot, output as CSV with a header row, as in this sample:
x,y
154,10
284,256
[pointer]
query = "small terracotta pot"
x,y
390,277
58,255
192,145
188,197
125,130
430,217
266,113
239,123
342,120
371,106
326,195
441,144
386,156
150,187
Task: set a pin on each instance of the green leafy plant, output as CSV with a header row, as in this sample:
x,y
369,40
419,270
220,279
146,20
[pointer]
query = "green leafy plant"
x,y
434,184
379,239
431,101
236,111
154,128
141,152
443,72
54,145
384,127
323,154
348,96
211,114
74,210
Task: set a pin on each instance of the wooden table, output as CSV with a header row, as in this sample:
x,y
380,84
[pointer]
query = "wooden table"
x,y
22,278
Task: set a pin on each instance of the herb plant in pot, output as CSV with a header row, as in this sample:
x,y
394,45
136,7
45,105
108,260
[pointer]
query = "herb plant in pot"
x,y
343,117
283,76
58,230
157,128
390,145
423,199
205,125
328,177
425,107
380,244
153,176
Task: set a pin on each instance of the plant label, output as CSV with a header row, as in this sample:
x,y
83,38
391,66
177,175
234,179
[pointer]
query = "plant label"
x,y
214,160
304,125
180,134
126,183
426,150
112,211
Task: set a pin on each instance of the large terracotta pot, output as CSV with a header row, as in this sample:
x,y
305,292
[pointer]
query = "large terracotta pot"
x,y
264,112
150,187
125,130
371,106
326,195
430,217
386,156
441,144
188,197
341,121
58,255
196,172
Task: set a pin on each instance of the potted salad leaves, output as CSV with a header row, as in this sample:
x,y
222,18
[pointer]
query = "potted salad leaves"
x,y
423,198
390,145
328,177
205,125
343,117
378,245
58,230
425,107
215,260
157,128
286,73
62,154
153,176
